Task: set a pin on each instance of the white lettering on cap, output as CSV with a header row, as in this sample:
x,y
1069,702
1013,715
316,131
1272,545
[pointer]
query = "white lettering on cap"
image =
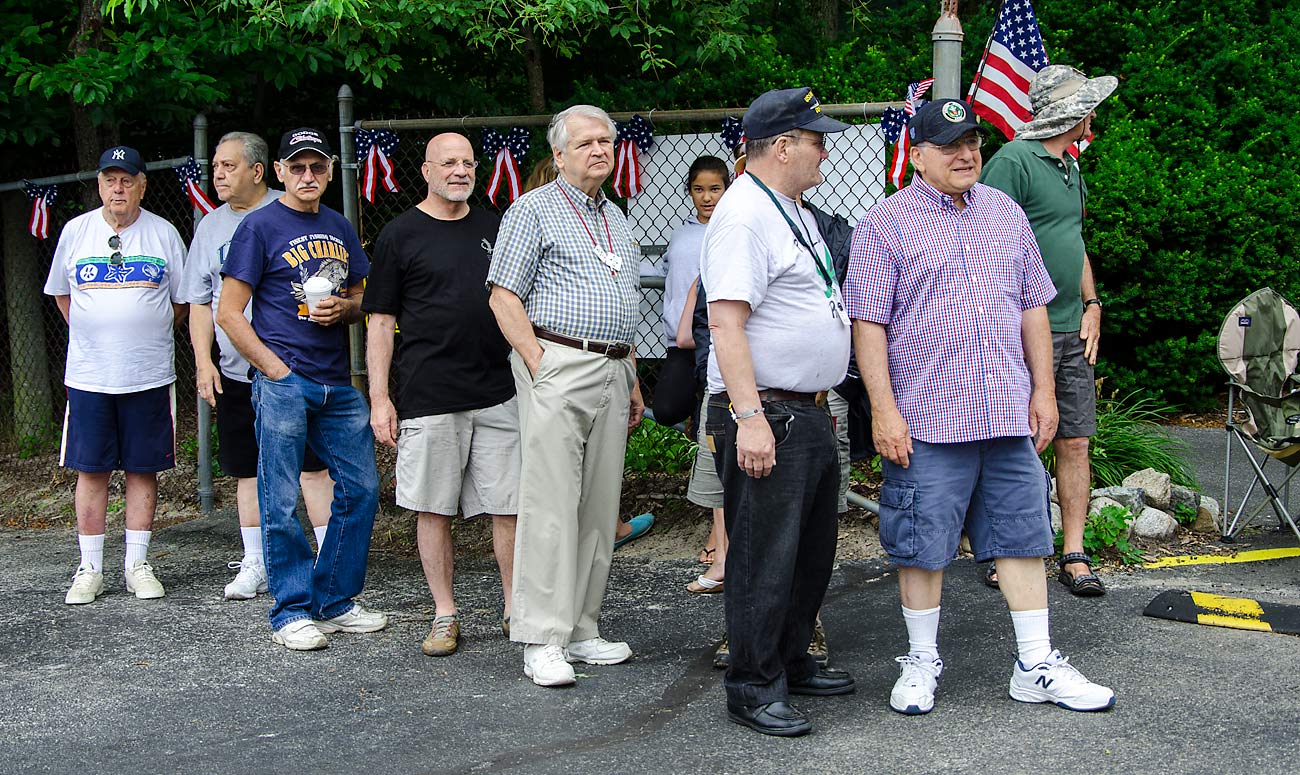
x,y
119,154
304,137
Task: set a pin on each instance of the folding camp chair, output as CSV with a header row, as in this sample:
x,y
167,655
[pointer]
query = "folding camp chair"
x,y
1259,345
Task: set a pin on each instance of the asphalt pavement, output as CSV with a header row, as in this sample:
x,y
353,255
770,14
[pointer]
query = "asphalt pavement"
x,y
192,683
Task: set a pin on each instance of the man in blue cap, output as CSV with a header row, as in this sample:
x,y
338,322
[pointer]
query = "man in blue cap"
x,y
116,279
780,341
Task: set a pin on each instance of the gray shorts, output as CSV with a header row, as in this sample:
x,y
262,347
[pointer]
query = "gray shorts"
x,y
460,463
705,488
1076,388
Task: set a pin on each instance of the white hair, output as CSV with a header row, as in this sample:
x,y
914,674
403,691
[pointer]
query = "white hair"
x,y
558,132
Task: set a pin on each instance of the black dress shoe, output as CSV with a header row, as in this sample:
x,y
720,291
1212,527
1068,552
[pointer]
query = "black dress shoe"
x,y
775,718
824,683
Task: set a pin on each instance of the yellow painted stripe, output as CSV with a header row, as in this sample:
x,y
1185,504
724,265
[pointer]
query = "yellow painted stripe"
x,y
1233,622
1231,606
1256,555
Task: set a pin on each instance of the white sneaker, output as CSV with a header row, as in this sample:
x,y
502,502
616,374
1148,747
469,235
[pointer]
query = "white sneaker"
x,y
913,692
1056,681
355,619
545,664
249,582
86,586
141,581
300,635
598,651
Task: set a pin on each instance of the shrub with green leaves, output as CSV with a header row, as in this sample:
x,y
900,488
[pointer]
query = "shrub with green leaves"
x,y
654,448
1106,531
1129,439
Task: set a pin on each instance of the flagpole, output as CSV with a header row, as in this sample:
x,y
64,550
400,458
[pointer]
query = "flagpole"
x,y
979,71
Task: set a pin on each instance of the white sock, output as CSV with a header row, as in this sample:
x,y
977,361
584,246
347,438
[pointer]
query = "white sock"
x,y
252,537
320,536
1032,638
92,551
137,546
922,632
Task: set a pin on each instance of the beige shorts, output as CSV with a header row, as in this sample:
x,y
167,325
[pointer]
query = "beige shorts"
x,y
460,463
705,488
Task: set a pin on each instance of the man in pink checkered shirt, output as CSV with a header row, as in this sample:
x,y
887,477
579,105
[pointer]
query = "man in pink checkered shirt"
x,y
947,291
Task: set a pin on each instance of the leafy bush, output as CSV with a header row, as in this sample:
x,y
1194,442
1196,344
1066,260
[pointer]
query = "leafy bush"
x,y
654,448
1129,439
1105,531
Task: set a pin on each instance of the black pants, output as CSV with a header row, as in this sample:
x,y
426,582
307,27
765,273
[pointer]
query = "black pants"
x,y
782,530
675,398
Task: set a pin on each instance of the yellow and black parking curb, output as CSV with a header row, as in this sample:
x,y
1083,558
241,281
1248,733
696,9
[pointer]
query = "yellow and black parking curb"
x,y
1240,613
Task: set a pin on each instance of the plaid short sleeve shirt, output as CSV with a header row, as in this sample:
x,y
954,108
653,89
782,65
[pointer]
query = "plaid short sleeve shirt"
x,y
951,286
548,254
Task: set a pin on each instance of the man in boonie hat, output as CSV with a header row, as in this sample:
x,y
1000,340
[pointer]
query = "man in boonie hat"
x,y
1037,170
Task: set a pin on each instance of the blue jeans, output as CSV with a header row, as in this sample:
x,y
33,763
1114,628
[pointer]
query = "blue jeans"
x,y
291,414
782,531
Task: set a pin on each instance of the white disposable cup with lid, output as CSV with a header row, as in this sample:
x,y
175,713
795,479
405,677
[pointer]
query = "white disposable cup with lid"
x,y
316,289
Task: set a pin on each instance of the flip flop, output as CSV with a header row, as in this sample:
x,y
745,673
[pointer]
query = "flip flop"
x,y
703,585
991,576
640,524
706,556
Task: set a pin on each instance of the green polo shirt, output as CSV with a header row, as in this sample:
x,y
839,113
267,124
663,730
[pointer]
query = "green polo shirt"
x,y
1052,193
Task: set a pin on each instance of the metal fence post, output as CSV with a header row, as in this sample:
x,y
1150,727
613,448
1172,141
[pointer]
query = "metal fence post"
x,y
206,497
348,152
947,36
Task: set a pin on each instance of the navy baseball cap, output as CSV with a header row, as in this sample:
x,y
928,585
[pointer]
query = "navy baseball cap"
x,y
296,141
123,158
942,121
781,110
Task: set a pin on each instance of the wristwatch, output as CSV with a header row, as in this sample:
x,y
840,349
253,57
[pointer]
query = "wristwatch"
x,y
1094,300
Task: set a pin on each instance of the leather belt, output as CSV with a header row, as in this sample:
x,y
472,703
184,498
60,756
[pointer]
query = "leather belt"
x,y
775,394
615,350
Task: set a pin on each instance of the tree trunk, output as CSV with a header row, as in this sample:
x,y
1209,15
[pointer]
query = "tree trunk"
x,y
533,67
86,136
33,404
827,15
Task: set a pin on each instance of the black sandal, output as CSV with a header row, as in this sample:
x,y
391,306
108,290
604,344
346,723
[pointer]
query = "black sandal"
x,y
1087,585
991,576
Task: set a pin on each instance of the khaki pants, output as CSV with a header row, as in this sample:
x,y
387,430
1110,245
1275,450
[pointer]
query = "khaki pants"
x,y
573,436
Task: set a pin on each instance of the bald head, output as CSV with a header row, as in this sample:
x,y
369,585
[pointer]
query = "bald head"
x,y
449,167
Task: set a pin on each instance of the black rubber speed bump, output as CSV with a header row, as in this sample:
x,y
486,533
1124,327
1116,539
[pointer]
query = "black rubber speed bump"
x,y
1237,612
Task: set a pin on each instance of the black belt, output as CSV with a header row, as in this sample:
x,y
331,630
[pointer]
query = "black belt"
x,y
614,350
775,394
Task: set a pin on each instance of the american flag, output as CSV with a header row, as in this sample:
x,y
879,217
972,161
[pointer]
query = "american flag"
x,y
189,175
733,133
42,197
375,147
506,149
1015,52
633,137
898,167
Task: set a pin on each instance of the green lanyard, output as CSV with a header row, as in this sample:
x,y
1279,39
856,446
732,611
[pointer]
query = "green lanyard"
x,y
823,270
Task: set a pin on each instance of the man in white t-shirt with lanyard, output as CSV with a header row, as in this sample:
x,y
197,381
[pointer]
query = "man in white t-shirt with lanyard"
x,y
780,341
240,165
115,277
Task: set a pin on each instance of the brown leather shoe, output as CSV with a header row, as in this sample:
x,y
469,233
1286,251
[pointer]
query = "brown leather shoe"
x,y
443,638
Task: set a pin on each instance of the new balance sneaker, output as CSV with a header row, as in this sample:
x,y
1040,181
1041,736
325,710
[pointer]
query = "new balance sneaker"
x,y
1056,681
249,582
913,692
355,619
141,581
300,635
545,664
86,586
598,651
443,638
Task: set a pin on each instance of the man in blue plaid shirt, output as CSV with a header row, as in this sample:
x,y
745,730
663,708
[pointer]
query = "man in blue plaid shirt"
x,y
565,292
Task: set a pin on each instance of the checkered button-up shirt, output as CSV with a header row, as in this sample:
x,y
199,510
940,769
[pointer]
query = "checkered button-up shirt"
x,y
545,256
951,286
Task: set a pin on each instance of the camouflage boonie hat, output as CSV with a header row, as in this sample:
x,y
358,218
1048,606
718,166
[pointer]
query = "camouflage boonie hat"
x,y
1061,97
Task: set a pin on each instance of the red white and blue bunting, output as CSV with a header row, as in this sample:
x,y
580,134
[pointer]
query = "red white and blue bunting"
x,y
733,133
634,137
506,149
374,148
898,167
189,176
42,197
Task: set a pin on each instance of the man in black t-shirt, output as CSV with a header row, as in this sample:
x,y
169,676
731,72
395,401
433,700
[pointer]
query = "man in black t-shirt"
x,y
456,425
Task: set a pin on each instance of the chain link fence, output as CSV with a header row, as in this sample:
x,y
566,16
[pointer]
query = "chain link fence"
x,y
855,180
32,329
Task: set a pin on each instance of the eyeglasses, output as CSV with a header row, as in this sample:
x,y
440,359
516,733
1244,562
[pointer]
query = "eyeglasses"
x,y
819,141
316,167
114,243
969,143
451,164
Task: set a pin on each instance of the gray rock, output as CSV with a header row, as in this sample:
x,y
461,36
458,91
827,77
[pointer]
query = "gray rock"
x,y
1154,523
1097,504
1130,498
1056,519
1051,492
1186,496
1211,505
1155,485
1206,516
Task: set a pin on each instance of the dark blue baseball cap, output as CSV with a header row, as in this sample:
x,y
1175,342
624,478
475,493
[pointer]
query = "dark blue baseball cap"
x,y
123,158
943,121
781,110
